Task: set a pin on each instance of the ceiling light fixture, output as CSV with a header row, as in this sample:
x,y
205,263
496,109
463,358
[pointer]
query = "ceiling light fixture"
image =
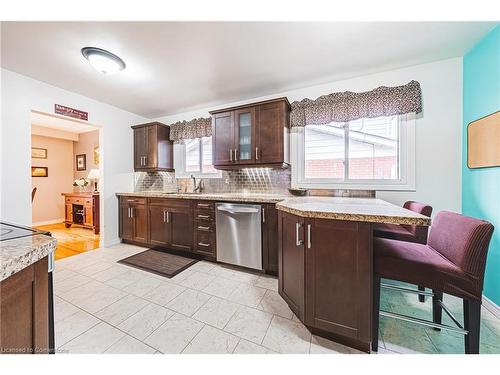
x,y
102,60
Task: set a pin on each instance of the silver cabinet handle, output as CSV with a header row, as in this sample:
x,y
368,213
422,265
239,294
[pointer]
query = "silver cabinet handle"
x,y
263,215
256,153
204,228
204,205
308,236
203,244
230,154
235,155
203,217
298,241
164,216
168,217
131,212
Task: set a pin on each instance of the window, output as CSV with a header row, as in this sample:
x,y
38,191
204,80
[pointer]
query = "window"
x,y
371,153
194,157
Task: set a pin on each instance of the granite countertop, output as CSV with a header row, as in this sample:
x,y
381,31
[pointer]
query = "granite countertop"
x,y
354,209
227,197
18,253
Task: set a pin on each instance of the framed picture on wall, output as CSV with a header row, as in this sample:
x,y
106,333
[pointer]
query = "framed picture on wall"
x,y
38,153
39,172
96,155
81,162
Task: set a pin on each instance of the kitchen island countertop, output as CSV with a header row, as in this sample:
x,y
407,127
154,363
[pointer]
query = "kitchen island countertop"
x,y
18,253
352,209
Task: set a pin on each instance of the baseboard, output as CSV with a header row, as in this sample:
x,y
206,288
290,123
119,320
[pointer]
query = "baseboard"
x,y
48,222
491,306
112,242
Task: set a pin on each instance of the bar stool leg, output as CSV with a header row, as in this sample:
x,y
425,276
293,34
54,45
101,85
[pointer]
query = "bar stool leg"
x,y
421,297
375,312
472,323
437,310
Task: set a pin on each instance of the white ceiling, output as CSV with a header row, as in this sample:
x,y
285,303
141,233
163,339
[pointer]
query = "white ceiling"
x,y
174,67
59,123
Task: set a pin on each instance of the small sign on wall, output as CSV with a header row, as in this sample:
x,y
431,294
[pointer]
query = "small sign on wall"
x,y
71,112
483,141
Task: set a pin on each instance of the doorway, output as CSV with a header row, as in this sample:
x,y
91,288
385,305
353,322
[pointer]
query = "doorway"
x,y
66,178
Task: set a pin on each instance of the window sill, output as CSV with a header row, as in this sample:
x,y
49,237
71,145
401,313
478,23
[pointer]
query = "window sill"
x,y
357,186
198,175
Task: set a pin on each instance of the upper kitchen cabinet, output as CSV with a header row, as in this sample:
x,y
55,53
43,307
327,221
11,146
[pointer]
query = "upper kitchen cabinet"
x,y
252,135
153,150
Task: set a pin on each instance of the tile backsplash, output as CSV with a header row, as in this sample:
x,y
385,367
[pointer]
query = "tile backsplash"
x,y
251,180
248,180
155,181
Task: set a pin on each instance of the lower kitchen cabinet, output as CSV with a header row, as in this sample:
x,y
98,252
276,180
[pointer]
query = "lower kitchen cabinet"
x,y
187,225
325,276
291,258
24,306
170,224
181,228
159,229
270,238
133,223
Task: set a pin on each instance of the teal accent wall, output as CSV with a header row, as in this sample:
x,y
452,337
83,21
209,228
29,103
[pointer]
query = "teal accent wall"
x,y
481,187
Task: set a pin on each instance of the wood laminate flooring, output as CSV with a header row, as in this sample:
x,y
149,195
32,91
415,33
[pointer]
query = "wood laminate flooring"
x,y
72,241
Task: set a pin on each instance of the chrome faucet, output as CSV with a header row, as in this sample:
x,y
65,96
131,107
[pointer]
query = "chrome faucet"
x,y
199,187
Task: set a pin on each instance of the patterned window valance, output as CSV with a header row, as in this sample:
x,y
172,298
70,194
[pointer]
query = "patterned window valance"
x,y
197,128
348,106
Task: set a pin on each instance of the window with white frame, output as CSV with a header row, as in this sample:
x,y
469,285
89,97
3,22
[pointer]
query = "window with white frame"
x,y
194,157
369,153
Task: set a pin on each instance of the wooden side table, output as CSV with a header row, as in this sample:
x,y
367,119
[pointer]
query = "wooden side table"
x,y
82,209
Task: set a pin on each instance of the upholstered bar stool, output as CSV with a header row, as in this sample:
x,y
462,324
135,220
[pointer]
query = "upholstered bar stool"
x,y
409,233
452,262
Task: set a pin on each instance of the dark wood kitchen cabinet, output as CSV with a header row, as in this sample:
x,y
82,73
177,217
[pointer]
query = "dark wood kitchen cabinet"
x,y
325,273
171,223
133,219
204,231
251,135
270,239
153,149
24,312
338,277
291,259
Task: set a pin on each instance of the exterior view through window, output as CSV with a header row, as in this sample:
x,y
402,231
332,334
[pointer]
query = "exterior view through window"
x,y
199,155
364,149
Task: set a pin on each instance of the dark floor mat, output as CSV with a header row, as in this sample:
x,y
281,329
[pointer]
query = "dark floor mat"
x,y
159,262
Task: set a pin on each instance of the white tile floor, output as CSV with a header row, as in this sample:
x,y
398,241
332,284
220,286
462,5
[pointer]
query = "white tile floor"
x,y
105,307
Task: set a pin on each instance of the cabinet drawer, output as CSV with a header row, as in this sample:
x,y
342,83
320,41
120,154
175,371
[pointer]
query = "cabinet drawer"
x,y
205,205
167,202
205,243
133,200
75,200
204,215
204,226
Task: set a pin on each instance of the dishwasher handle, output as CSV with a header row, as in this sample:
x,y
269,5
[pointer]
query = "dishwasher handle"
x,y
239,210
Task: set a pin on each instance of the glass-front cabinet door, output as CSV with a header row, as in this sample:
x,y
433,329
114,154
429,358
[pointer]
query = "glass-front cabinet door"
x,y
244,135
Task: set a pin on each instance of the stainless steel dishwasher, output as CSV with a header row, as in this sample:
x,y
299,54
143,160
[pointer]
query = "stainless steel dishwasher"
x,y
238,228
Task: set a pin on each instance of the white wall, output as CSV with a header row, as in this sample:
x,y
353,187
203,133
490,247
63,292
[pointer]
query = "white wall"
x,y
20,95
438,128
